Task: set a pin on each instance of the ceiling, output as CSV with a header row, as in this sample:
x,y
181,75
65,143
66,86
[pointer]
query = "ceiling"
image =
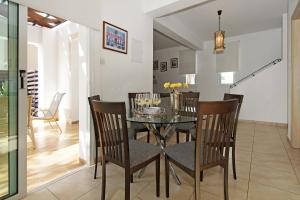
x,y
161,41
238,17
38,18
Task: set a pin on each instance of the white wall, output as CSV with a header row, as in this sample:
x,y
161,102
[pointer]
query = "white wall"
x,y
172,74
118,74
265,95
256,50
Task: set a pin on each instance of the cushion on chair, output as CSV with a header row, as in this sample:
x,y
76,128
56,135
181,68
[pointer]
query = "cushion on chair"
x,y
183,153
138,127
185,126
140,152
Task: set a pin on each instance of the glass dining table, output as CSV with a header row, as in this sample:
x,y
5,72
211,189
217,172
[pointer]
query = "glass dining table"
x,y
162,127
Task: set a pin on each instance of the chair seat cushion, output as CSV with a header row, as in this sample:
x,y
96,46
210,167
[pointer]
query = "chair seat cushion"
x,y
183,153
140,152
138,127
185,126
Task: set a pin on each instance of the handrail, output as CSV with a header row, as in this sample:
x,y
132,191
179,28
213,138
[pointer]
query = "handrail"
x,y
274,62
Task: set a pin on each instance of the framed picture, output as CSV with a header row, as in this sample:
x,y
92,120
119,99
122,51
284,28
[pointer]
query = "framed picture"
x,y
163,66
115,38
174,62
155,65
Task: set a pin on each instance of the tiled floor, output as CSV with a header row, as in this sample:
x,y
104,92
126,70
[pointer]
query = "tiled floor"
x,y
268,169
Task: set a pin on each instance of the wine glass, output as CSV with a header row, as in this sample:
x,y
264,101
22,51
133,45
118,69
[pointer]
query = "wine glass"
x,y
156,99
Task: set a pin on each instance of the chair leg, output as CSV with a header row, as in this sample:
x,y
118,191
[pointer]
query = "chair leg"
x,y
233,161
103,180
201,176
127,183
167,176
197,188
177,137
134,135
148,136
31,135
131,178
226,195
187,136
158,177
96,164
50,124
60,131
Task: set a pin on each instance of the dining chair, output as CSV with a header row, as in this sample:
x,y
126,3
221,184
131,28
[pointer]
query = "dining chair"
x,y
137,127
30,131
188,103
132,155
50,114
96,132
236,120
97,135
215,121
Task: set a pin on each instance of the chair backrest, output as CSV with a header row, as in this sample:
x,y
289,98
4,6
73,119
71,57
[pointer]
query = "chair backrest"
x,y
55,103
163,95
97,135
112,126
240,98
188,103
213,130
132,103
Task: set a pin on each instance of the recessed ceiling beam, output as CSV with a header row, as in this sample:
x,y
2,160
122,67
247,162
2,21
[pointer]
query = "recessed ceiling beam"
x,y
161,8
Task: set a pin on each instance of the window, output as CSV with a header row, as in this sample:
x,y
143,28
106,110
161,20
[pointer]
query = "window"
x,y
226,78
190,79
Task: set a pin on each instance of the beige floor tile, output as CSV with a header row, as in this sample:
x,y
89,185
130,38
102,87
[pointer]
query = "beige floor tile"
x,y
275,178
75,185
214,185
273,161
262,192
240,155
43,194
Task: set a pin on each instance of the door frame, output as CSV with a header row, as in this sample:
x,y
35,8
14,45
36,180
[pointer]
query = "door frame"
x,y
22,107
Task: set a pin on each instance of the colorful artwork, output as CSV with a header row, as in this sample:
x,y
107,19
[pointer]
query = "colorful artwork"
x,y
114,38
163,66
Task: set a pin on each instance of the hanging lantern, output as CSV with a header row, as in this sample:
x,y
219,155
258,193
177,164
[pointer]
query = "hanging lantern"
x,y
219,37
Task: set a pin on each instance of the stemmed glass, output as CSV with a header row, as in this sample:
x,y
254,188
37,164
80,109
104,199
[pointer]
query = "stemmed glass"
x,y
156,99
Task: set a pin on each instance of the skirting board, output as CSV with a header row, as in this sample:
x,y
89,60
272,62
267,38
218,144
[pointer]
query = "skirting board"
x,y
284,125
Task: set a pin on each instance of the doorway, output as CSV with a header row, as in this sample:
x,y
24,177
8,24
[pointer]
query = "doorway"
x,y
57,53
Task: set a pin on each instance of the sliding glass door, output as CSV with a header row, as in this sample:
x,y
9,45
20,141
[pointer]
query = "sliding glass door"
x,y
8,98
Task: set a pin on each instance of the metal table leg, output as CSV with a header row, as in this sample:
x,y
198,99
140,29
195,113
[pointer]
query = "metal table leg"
x,y
169,130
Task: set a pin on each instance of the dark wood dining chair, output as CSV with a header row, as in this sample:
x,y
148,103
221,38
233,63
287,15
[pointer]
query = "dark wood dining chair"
x,y
137,127
132,155
97,135
188,103
211,148
236,120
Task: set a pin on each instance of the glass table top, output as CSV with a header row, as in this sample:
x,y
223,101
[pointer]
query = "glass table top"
x,y
163,119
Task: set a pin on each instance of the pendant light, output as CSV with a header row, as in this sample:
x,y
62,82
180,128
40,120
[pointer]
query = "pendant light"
x,y
219,37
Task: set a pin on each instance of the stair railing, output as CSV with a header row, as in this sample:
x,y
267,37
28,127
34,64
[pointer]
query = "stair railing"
x,y
274,62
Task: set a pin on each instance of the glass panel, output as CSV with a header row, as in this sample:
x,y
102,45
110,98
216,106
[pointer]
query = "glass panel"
x,y
8,97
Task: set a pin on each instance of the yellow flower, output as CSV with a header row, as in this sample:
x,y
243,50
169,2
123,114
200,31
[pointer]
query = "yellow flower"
x,y
172,85
179,85
167,85
185,85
